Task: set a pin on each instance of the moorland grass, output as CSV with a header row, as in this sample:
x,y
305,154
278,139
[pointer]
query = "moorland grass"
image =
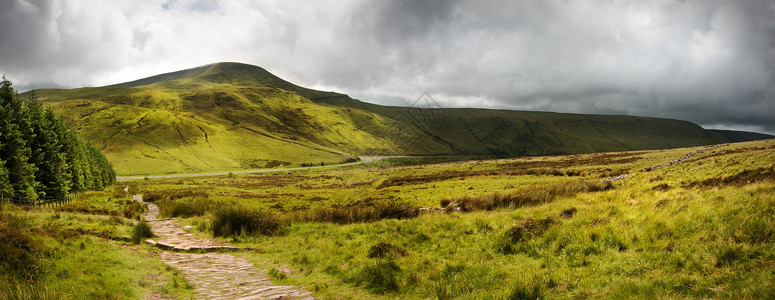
x,y
653,235
528,196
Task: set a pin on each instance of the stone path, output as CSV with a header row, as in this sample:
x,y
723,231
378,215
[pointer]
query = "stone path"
x,y
213,275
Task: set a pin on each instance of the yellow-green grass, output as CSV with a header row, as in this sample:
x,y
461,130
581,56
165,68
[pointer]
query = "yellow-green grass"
x,y
674,232
78,252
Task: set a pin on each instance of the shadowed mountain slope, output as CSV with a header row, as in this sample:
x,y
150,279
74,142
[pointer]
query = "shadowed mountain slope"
x,y
735,136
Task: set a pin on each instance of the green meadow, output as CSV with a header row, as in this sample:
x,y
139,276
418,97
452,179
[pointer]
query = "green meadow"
x,y
522,228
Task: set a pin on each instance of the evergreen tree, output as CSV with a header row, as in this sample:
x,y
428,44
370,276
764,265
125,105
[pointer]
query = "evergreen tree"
x,y
47,155
40,157
5,185
15,131
74,158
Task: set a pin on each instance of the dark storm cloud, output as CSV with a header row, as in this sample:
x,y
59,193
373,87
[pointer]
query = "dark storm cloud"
x,y
709,62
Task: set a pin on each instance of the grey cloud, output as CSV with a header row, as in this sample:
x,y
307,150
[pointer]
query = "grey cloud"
x,y
709,62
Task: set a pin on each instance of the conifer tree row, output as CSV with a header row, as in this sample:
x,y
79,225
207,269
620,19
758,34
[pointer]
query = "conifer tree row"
x,y
40,158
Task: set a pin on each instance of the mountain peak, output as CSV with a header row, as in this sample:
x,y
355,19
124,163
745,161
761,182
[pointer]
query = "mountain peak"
x,y
222,72
240,74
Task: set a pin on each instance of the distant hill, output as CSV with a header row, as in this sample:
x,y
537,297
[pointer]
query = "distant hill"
x,y
228,116
734,136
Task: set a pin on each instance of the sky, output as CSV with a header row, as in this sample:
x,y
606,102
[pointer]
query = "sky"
x,y
708,62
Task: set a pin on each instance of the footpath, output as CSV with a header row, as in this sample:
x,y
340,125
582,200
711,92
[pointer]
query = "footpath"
x,y
212,273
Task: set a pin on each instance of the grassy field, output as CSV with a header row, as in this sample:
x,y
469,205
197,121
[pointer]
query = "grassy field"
x,y
231,116
523,228
78,251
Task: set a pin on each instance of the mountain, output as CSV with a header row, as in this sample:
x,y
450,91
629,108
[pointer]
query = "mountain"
x,y
734,136
230,116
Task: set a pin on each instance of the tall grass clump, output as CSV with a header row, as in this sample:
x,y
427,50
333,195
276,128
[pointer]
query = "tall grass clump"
x,y
185,209
236,221
512,240
527,291
153,196
358,213
379,277
525,197
384,249
141,231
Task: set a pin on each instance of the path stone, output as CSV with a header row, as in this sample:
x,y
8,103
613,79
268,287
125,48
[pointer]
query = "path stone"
x,y
213,275
224,276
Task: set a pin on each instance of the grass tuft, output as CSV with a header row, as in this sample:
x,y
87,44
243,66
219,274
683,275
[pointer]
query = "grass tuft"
x,y
527,229
383,250
141,231
380,277
236,221
527,291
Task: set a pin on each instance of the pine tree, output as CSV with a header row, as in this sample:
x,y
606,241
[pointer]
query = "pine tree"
x,y
15,130
47,152
75,160
5,185
40,157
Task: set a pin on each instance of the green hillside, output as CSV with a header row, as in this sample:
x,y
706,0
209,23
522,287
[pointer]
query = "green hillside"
x,y
230,116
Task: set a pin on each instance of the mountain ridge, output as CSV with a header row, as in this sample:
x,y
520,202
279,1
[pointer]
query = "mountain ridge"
x,y
226,116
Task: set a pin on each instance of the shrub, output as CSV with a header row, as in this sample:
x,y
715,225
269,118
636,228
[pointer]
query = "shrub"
x,y
235,221
141,231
